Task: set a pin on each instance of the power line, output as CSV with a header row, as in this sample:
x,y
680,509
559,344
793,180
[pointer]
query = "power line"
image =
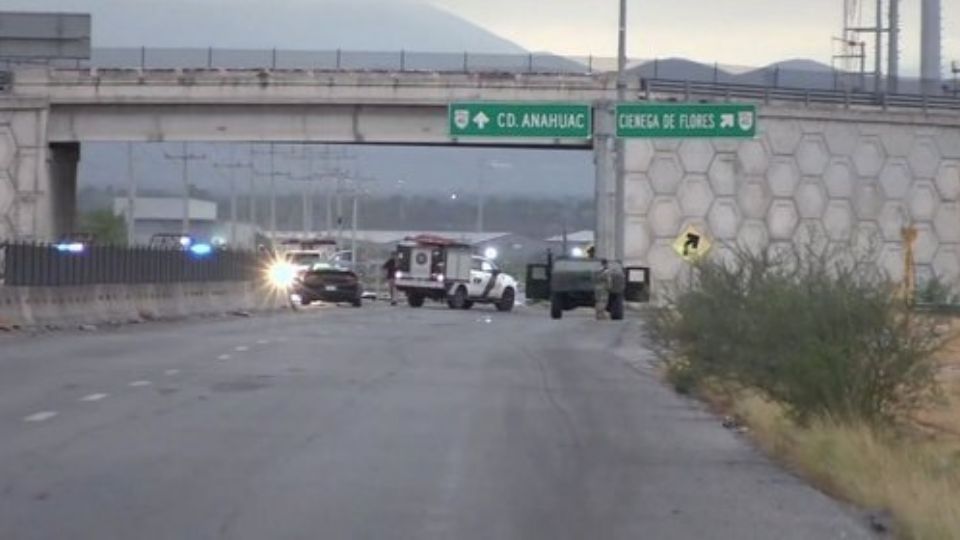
x,y
186,157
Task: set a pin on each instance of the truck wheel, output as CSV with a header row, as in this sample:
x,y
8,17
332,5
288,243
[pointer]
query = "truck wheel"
x,y
459,298
506,300
357,302
556,306
304,301
468,304
616,307
415,300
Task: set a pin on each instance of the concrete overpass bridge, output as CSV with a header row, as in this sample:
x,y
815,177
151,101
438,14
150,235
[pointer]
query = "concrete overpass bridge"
x,y
834,170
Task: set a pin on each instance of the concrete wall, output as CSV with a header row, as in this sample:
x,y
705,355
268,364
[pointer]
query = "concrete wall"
x,y
26,207
830,175
65,306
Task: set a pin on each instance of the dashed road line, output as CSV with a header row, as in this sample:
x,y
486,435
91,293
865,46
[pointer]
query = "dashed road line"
x,y
140,383
40,416
93,397
263,341
171,372
223,357
241,348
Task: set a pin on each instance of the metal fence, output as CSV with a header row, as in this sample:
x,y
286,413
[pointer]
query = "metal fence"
x,y
47,265
694,91
790,75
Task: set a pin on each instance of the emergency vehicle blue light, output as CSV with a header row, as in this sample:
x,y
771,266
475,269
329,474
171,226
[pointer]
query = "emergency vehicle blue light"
x,y
201,250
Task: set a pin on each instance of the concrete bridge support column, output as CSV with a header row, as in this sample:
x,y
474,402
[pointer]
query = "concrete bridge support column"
x,y
62,169
24,191
604,158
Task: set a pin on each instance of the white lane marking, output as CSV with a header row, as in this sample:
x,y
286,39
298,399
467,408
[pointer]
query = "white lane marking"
x,y
140,383
241,348
93,397
223,357
263,341
171,372
40,416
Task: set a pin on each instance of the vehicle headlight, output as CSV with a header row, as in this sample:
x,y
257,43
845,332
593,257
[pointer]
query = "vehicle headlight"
x,y
281,274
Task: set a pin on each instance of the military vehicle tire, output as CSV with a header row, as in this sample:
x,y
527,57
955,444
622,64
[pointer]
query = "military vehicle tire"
x,y
556,306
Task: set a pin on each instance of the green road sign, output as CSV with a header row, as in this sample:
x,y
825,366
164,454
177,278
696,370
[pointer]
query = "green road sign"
x,y
672,120
527,120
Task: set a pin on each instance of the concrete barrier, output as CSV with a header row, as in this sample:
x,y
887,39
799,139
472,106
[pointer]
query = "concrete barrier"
x,y
95,304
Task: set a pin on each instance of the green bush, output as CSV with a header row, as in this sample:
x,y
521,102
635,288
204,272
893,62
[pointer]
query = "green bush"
x,y
819,334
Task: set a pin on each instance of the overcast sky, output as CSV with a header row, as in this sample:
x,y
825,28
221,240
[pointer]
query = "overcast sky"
x,y
739,32
752,32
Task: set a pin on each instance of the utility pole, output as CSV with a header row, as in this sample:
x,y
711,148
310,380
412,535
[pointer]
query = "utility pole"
x,y
131,197
619,146
878,48
893,47
231,179
186,158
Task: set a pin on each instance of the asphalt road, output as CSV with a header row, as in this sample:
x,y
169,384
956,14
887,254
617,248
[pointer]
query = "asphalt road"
x,y
376,423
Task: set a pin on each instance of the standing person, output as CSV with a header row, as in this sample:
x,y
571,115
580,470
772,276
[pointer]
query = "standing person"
x,y
601,289
390,268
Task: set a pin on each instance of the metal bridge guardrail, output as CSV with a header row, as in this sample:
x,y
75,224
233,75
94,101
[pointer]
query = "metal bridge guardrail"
x,y
807,76
691,91
45,265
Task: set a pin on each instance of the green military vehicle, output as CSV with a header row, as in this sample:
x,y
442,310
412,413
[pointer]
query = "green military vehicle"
x,y
569,283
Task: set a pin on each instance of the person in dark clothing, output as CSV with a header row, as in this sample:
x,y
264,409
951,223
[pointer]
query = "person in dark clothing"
x,y
390,269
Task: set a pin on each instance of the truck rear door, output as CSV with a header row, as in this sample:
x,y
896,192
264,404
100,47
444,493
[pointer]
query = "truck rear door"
x,y
638,284
538,281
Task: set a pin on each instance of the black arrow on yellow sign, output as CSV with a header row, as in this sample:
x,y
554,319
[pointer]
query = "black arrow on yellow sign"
x,y
691,244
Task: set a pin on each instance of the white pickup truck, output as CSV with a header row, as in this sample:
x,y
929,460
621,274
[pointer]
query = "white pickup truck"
x,y
444,270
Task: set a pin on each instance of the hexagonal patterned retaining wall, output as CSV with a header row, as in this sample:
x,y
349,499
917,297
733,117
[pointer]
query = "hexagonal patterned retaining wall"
x,y
25,202
852,179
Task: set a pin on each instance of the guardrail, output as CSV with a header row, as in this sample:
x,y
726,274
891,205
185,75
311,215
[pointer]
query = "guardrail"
x,y
692,91
49,265
6,80
820,77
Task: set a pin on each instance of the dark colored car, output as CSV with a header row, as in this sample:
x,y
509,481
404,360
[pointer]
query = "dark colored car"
x,y
328,284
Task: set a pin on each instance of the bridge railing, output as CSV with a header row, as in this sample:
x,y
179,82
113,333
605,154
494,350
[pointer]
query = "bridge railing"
x,y
809,76
693,91
49,265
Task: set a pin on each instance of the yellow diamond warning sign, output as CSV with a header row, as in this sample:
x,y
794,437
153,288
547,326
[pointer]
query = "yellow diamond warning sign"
x,y
692,244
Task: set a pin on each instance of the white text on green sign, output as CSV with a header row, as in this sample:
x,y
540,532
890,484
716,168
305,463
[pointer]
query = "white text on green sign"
x,y
672,120
527,120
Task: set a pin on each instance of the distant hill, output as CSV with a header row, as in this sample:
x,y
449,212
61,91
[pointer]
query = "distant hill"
x,y
364,25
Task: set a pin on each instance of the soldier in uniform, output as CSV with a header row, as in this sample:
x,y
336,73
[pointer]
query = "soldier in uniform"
x,y
601,289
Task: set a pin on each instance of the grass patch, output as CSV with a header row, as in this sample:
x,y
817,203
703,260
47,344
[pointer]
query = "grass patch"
x,y
912,474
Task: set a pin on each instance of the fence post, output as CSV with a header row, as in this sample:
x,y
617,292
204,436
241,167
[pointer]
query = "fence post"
x,y
465,62
656,68
590,64
339,56
273,59
716,73
143,58
403,60
209,57
530,63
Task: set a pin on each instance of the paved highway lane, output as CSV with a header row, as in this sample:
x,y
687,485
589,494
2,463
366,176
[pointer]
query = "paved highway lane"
x,y
377,423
